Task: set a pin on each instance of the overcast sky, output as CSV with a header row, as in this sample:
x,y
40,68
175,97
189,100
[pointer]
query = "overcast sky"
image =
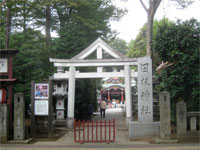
x,y
128,27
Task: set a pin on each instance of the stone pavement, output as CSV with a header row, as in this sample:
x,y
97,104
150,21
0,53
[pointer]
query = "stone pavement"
x,y
122,142
121,131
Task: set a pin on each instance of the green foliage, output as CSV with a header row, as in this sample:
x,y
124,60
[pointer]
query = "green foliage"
x,y
119,45
77,23
32,61
137,47
180,43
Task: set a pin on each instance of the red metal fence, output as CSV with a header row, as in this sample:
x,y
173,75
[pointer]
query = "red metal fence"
x,y
94,131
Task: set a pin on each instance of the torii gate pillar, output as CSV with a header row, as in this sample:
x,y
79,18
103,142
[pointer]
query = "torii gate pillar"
x,y
128,94
71,97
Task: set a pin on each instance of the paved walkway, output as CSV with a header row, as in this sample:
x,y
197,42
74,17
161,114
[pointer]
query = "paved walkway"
x,y
122,142
121,131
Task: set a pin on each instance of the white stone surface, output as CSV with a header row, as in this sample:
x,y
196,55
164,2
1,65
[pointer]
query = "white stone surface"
x,y
65,75
60,114
99,56
71,92
128,91
143,129
145,96
60,104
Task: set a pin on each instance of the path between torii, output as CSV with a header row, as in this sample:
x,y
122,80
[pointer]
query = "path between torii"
x,y
111,113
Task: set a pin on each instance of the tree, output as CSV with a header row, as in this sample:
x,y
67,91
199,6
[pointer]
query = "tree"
x,y
137,47
153,5
151,10
8,23
30,63
179,43
83,22
77,22
119,45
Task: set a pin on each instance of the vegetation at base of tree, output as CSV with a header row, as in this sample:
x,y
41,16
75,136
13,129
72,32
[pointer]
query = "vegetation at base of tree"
x,y
179,43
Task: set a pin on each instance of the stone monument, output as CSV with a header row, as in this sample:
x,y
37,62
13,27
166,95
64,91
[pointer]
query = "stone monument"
x,y
145,127
19,118
165,121
145,96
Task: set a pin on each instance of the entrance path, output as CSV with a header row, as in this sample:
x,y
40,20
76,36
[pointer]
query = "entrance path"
x,y
118,114
111,113
122,142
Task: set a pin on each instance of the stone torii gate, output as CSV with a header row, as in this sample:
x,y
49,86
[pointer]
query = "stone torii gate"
x,y
80,60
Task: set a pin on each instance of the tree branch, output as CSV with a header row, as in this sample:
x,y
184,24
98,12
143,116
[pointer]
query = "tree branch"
x,y
143,5
156,4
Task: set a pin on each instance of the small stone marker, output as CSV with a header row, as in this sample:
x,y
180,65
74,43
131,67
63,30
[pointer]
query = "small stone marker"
x,y
165,123
4,123
19,124
145,97
181,118
193,124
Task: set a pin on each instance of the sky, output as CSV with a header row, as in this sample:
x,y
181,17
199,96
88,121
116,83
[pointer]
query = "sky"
x,y
130,24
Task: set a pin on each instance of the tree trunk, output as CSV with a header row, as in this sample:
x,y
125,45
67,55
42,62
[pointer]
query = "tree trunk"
x,y
8,25
48,25
24,17
149,35
153,5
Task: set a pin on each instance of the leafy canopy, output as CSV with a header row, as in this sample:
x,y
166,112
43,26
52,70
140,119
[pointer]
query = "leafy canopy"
x,y
180,43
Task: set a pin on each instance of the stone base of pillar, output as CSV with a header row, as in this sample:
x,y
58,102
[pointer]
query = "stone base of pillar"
x,y
70,123
143,129
60,123
127,121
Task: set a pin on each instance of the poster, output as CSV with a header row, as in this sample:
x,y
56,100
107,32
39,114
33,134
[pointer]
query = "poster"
x,y
3,65
41,91
41,107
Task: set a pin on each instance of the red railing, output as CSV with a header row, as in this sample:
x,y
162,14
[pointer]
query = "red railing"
x,y
94,131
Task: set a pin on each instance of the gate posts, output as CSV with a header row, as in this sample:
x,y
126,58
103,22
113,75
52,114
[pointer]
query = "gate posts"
x,y
71,97
128,94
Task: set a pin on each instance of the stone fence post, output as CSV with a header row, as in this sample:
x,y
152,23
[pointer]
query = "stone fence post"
x,y
19,117
181,113
4,119
165,121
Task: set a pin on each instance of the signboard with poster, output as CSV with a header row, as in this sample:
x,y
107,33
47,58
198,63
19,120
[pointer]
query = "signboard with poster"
x,y
41,107
3,65
41,104
41,91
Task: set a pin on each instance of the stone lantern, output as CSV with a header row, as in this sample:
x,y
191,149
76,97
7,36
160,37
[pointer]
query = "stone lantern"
x,y
60,92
